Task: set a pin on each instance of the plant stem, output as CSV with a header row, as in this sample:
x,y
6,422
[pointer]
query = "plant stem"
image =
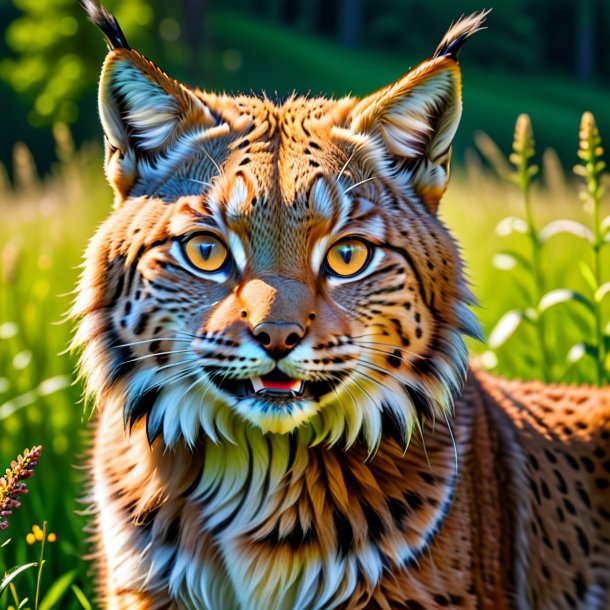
x,y
40,564
523,151
14,594
597,271
538,278
590,152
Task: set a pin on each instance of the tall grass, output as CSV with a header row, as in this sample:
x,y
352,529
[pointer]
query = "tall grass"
x,y
46,224
44,229
572,345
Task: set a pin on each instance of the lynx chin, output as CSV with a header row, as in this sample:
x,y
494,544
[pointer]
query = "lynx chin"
x,y
271,326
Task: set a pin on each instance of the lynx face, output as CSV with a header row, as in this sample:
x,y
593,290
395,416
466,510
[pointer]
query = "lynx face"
x,y
276,264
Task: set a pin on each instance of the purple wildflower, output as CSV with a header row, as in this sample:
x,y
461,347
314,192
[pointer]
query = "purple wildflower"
x,y
11,484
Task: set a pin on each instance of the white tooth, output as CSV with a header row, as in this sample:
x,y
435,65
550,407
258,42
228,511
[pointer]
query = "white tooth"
x,y
298,386
257,384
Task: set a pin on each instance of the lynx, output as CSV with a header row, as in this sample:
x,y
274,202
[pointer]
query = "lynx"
x,y
271,323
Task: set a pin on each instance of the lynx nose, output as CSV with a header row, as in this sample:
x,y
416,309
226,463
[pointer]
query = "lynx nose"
x,y
278,338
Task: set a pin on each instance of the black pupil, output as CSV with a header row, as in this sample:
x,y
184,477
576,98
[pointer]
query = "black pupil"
x,y
346,253
206,250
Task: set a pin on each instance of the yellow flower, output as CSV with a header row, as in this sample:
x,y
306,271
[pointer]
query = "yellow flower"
x,y
30,538
51,537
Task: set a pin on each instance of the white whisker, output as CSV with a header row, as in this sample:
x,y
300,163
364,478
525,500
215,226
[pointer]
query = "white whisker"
x,y
353,186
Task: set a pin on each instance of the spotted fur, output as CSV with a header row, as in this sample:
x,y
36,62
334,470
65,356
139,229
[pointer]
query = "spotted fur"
x,y
398,479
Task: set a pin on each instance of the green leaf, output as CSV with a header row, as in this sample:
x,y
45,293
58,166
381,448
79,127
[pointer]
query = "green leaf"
x,y
563,295
22,603
13,572
508,259
505,328
571,227
511,224
57,590
588,275
605,226
530,315
578,351
602,292
81,597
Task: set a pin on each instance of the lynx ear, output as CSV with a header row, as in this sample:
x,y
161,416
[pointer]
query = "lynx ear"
x,y
144,112
415,119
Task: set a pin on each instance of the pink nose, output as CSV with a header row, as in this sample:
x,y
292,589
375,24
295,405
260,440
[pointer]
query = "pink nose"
x,y
278,338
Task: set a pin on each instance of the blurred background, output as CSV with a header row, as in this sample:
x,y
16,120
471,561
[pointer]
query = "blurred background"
x,y
548,58
544,56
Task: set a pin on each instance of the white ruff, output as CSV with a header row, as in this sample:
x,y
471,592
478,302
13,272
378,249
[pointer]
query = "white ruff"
x,y
243,485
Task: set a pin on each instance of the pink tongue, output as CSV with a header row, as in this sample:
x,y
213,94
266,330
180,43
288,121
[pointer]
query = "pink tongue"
x,y
278,385
278,382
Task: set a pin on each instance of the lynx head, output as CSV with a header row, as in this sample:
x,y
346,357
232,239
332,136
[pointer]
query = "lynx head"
x,y
275,264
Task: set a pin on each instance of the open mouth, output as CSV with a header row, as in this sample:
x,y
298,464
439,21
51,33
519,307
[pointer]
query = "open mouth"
x,y
275,385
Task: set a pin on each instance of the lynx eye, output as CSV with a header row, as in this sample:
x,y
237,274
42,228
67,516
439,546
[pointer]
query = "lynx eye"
x,y
206,252
348,256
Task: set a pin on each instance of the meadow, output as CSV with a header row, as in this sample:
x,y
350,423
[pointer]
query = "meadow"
x,y
44,230
46,222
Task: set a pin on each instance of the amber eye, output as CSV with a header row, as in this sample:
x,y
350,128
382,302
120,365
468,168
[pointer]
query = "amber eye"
x,y
348,256
206,252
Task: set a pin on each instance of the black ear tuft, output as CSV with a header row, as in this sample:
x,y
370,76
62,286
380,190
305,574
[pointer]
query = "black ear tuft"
x,y
107,22
459,32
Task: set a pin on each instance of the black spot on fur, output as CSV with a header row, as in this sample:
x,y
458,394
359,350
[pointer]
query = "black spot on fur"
x,y
345,534
561,482
565,551
583,541
413,500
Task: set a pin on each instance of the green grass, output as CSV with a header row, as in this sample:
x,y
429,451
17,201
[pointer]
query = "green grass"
x,y
44,231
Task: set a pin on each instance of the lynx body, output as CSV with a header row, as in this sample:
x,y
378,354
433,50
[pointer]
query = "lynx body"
x,y
271,326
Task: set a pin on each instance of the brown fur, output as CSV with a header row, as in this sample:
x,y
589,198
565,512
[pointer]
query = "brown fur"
x,y
404,482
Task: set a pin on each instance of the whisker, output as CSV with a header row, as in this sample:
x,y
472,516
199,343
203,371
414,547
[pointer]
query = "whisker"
x,y
394,347
143,341
349,160
147,356
208,184
380,351
353,186
209,156
378,369
455,450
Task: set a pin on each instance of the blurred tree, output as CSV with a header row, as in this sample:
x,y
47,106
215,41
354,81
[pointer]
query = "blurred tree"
x,y
585,47
55,56
350,22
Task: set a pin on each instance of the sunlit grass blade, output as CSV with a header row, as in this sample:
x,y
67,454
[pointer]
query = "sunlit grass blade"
x,y
81,597
563,295
563,227
505,328
57,591
13,573
509,259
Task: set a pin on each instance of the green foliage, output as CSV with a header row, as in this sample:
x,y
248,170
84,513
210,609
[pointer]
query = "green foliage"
x,y
43,234
55,57
556,362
